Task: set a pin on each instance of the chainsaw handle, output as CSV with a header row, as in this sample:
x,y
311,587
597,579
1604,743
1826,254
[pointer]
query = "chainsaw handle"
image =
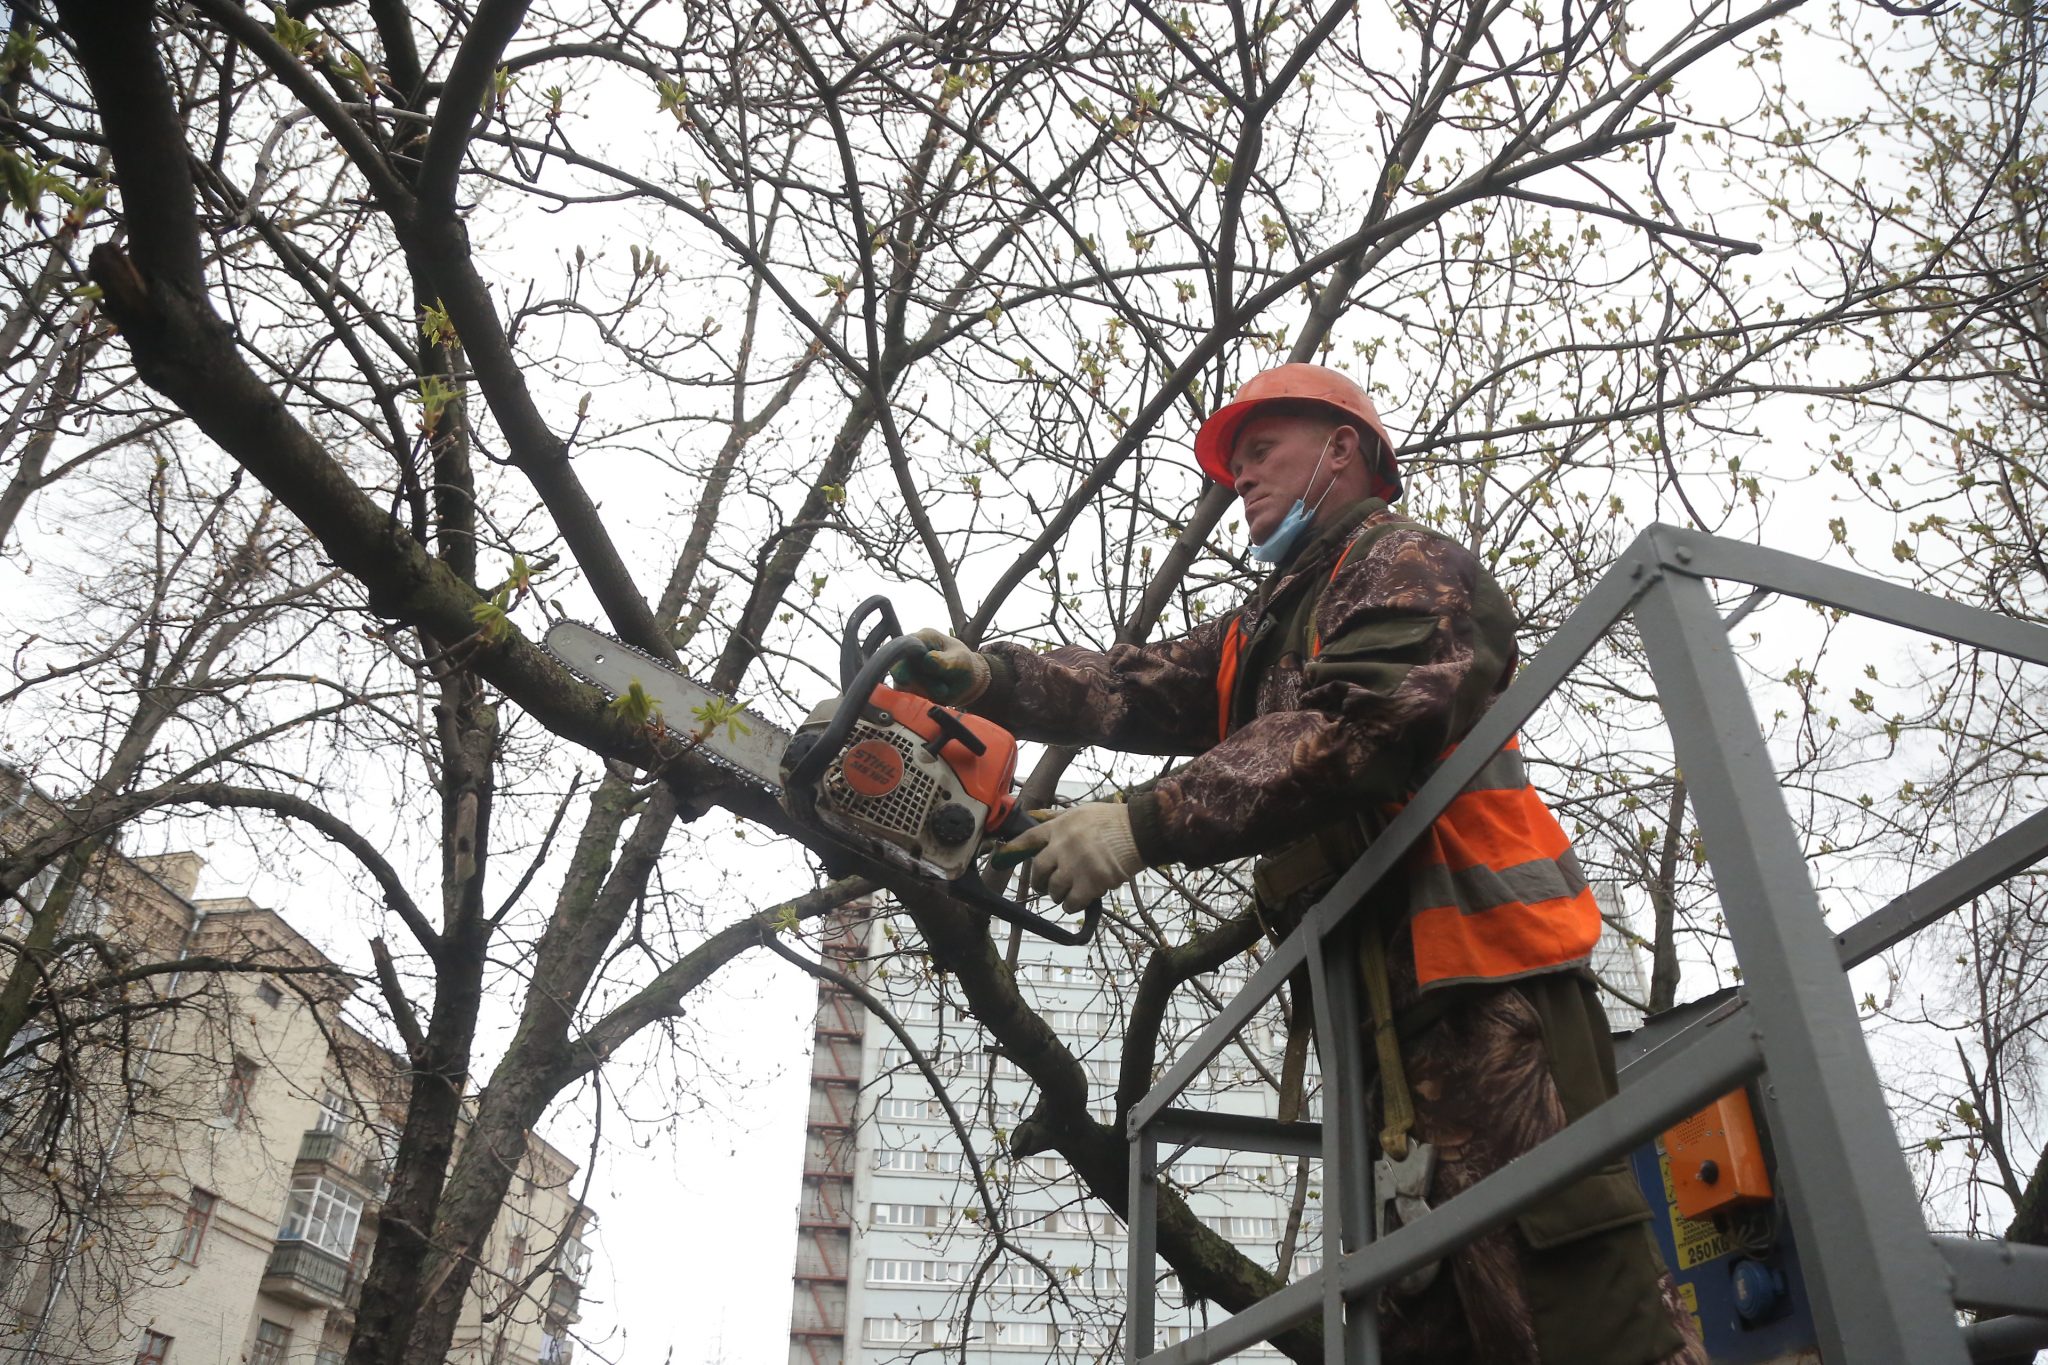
x,y
856,649
1013,825
971,888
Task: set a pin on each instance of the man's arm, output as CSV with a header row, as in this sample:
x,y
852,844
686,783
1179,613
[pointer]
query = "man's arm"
x,y
1416,640
1148,699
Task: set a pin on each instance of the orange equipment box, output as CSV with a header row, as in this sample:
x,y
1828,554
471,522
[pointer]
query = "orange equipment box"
x,y
1716,1158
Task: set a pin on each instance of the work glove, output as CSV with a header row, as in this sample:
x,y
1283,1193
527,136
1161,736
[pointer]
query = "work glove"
x,y
1079,854
948,672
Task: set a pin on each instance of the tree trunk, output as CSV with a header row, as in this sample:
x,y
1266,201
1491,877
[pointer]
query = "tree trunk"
x,y
2030,1219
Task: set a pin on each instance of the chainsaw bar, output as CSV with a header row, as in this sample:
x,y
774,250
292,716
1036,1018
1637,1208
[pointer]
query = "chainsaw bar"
x,y
740,740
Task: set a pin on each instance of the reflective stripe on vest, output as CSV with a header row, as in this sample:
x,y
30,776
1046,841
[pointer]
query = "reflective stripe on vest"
x,y
1494,890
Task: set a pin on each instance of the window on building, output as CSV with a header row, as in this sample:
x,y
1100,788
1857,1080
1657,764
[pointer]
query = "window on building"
x,y
323,1213
1248,1229
333,1115
572,1258
895,1329
269,994
515,1257
909,1215
899,1107
919,1272
911,1159
1089,1336
198,1216
1022,1275
1089,1222
87,915
273,1343
156,1349
1022,1334
234,1100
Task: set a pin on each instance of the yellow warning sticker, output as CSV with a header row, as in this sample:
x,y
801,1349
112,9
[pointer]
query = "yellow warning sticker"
x,y
1697,1240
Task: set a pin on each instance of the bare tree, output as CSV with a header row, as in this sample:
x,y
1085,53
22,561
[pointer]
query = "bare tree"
x,y
913,297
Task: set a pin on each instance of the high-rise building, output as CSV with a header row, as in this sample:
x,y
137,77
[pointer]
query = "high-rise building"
x,y
902,1254
903,1251
199,1183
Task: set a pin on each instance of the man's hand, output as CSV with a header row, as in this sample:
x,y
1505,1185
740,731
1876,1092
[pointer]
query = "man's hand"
x,y
948,672
1081,853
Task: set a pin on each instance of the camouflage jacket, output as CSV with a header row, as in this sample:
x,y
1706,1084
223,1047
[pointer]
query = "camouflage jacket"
x,y
1415,641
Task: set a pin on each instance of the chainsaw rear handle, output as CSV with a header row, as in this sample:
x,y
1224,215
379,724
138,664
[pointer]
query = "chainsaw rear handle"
x,y
1003,908
971,888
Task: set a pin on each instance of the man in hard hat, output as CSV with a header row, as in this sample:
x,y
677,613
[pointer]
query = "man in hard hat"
x,y
1367,653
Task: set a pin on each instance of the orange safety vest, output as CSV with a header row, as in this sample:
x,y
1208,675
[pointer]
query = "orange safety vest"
x,y
1494,890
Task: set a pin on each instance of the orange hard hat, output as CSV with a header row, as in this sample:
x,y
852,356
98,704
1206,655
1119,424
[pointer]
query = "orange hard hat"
x,y
1295,383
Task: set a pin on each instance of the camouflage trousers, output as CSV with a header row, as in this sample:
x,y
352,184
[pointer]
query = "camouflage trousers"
x,y
1575,1280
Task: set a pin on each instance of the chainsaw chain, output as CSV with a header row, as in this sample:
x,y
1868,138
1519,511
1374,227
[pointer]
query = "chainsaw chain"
x,y
703,747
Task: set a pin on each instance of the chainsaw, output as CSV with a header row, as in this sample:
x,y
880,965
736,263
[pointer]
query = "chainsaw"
x,y
889,782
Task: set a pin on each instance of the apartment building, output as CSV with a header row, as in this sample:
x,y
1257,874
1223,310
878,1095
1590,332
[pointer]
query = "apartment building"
x,y
203,1182
897,1257
897,1253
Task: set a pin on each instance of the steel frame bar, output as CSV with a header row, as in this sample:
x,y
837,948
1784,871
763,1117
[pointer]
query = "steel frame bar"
x,y
1348,1338
1961,882
1637,1055
1705,556
1877,1282
1141,1248
1875,1275
2011,853
1236,1132
1345,1094
1337,1134
2010,1277
1717,1064
2007,1339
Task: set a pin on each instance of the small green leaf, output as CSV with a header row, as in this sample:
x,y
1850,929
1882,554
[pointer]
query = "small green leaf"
x,y
633,705
717,712
435,326
491,621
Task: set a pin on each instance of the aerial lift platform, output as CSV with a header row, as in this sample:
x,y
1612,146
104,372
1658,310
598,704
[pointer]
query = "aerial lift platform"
x,y
1882,1290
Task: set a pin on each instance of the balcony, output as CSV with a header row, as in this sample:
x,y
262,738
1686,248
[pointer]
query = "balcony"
x,y
302,1274
326,1153
556,1348
564,1299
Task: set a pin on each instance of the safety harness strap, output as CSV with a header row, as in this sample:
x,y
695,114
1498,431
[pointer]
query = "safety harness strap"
x,y
1397,1105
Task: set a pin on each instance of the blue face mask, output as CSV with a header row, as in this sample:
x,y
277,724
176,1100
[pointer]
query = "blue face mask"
x,y
1299,518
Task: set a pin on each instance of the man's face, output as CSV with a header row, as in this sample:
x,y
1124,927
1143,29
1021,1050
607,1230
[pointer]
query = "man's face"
x,y
1272,463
